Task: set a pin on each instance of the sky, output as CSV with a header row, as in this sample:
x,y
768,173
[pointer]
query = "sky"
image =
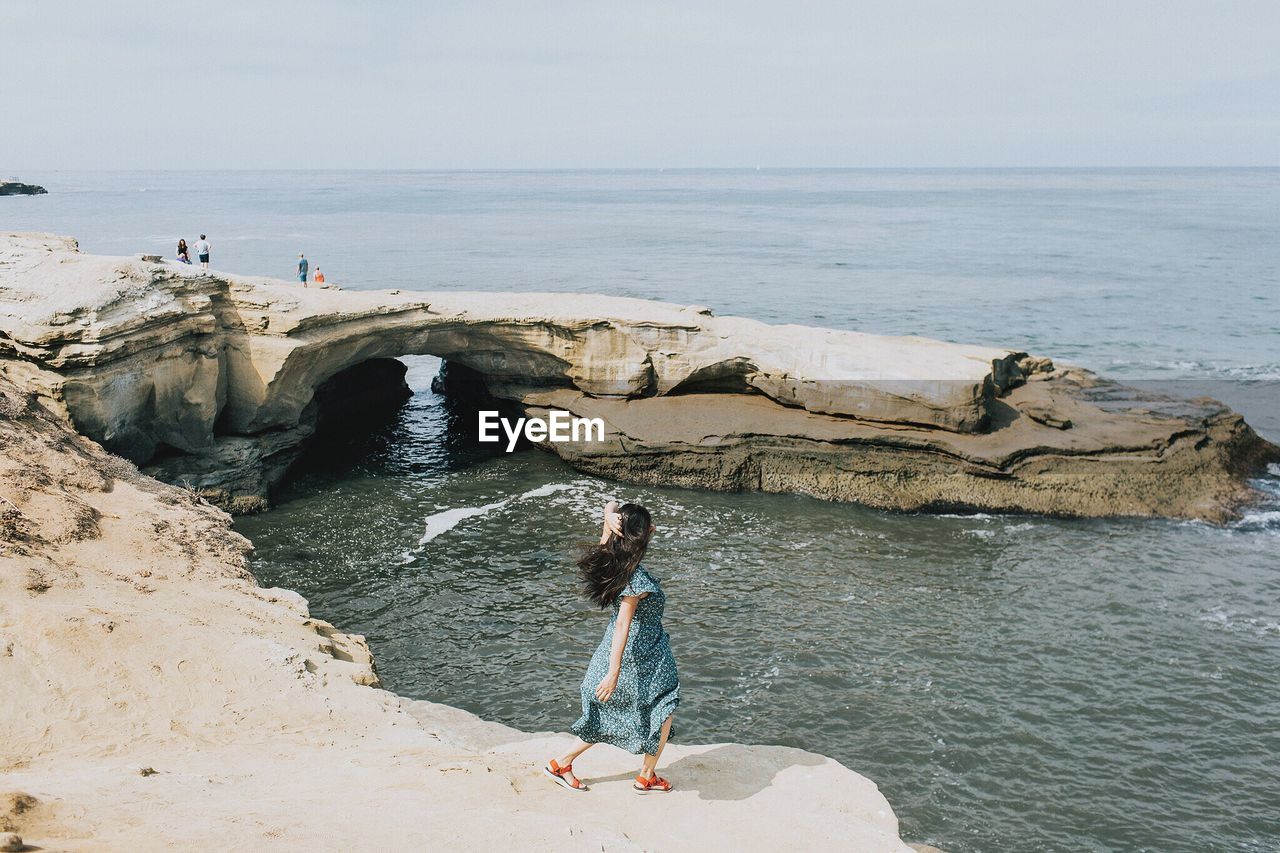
x,y
440,84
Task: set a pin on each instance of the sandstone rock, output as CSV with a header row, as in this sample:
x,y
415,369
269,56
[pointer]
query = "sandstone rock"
x,y
1031,365
144,353
1140,455
1042,414
351,648
216,382
10,841
13,805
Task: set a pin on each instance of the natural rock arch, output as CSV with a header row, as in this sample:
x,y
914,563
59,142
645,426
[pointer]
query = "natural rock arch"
x,y
140,355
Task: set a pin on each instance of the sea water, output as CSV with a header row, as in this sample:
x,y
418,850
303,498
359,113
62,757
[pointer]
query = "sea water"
x,y
1011,683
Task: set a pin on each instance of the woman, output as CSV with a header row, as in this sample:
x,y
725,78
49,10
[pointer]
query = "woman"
x,y
184,254
631,689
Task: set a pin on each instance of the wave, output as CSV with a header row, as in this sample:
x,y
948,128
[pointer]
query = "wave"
x,y
1267,520
442,522
1265,517
1191,369
439,523
1221,617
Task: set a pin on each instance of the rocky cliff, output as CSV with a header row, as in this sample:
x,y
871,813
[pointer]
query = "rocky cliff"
x,y
213,379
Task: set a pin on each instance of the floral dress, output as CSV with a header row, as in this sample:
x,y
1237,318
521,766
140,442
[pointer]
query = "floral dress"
x,y
648,688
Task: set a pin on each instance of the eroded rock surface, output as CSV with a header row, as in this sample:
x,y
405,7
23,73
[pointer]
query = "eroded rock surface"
x,y
212,378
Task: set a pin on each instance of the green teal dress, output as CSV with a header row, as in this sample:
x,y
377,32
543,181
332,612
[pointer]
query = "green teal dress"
x,y
648,688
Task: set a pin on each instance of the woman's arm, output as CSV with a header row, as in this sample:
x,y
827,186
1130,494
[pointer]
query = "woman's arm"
x,y
612,525
621,628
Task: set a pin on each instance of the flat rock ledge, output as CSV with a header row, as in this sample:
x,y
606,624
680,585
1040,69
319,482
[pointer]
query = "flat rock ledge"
x,y
211,380
156,697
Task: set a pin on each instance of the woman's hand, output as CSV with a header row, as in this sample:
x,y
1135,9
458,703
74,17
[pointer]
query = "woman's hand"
x,y
606,686
612,523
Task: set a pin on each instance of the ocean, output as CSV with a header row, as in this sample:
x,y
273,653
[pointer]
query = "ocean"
x,y
1011,683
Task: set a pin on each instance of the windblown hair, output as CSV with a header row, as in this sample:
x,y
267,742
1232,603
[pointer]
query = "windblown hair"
x,y
607,569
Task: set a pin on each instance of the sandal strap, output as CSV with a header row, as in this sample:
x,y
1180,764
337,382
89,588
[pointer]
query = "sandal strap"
x,y
558,770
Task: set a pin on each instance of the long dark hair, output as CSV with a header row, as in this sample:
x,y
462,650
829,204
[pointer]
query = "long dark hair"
x,y
607,569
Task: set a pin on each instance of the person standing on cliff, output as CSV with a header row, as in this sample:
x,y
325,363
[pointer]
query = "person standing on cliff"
x,y
202,252
302,269
631,689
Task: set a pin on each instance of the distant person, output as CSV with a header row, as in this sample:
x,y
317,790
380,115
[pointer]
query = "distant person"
x,y
302,269
202,252
318,278
184,254
631,689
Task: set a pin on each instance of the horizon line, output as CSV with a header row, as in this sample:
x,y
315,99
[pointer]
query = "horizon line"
x,y
755,168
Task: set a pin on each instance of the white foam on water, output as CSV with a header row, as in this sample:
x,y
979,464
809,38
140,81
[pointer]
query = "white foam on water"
x,y
543,491
1266,517
1253,371
1200,369
1223,618
1268,520
440,523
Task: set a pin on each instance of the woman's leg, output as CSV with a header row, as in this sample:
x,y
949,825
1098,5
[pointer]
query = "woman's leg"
x,y
580,746
651,761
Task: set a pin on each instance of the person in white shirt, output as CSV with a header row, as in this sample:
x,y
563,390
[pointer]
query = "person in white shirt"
x,y
202,250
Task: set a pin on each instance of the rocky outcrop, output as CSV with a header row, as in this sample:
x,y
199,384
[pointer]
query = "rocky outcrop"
x,y
214,377
19,188
1138,454
154,696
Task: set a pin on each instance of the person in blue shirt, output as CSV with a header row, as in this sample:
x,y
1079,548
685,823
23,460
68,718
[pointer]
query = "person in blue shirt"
x,y
302,269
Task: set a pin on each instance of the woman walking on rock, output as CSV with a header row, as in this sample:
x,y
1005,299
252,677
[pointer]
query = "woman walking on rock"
x,y
631,689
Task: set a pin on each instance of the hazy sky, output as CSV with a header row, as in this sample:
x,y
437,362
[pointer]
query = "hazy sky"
x,y
441,84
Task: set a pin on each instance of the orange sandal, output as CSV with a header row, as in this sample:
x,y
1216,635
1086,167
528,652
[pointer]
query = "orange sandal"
x,y
657,783
557,774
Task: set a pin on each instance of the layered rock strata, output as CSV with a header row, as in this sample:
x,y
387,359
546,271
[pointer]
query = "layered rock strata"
x,y
213,378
